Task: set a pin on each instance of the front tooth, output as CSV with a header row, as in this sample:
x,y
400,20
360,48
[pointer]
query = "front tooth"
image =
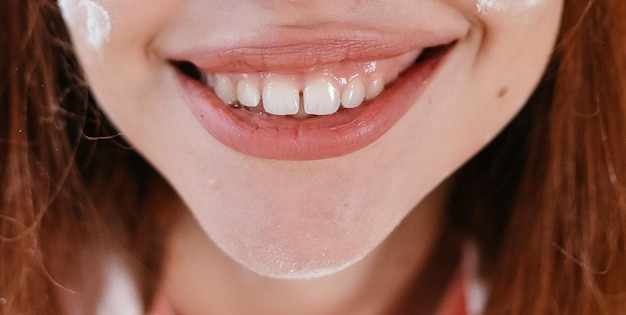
x,y
376,87
248,93
321,97
224,89
353,95
281,97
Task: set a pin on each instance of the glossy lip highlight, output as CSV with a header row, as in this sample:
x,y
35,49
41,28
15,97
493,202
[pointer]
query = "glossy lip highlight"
x,y
283,138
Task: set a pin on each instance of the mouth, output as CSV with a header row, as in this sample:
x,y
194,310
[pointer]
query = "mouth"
x,y
305,110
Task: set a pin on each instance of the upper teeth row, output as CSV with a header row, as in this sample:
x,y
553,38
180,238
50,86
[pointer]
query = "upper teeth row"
x,y
279,94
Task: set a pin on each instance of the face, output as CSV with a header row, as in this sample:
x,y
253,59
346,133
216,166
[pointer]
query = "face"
x,y
300,133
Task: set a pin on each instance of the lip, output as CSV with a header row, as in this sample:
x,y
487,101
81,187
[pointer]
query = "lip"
x,y
286,52
282,138
296,51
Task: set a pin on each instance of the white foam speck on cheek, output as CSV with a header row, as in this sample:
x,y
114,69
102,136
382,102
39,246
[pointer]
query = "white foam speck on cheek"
x,y
98,24
487,6
67,8
484,6
90,18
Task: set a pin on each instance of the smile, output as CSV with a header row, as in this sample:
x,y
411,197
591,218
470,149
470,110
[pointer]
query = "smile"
x,y
305,106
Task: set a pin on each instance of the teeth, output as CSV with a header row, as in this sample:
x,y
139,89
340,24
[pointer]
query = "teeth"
x,y
354,94
281,97
224,89
248,93
376,87
300,95
321,97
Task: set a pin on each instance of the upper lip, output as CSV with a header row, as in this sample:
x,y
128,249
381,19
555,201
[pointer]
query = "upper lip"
x,y
294,50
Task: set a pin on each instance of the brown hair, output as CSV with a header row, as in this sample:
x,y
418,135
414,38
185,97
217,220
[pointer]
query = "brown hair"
x,y
60,203
544,201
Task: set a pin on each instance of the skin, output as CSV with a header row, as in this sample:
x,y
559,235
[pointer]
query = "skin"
x,y
383,202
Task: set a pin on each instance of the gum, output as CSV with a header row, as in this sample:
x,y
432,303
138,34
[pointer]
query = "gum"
x,y
341,74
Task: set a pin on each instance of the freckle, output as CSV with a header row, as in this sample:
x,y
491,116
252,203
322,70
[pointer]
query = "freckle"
x,y
502,92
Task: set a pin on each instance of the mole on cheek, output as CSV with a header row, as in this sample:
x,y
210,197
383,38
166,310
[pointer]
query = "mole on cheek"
x,y
502,92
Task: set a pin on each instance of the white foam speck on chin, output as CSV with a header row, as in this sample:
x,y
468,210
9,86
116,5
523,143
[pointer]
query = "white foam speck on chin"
x,y
314,273
532,2
90,18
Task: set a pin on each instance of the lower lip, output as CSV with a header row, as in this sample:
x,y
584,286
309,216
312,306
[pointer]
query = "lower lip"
x,y
320,137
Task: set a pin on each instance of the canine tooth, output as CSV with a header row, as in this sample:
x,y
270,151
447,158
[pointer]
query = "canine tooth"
x,y
376,87
321,97
353,94
224,89
281,97
248,93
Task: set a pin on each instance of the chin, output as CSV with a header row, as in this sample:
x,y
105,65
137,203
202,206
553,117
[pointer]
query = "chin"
x,y
300,238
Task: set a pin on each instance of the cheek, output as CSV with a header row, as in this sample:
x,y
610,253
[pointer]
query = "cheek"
x,y
518,37
105,31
